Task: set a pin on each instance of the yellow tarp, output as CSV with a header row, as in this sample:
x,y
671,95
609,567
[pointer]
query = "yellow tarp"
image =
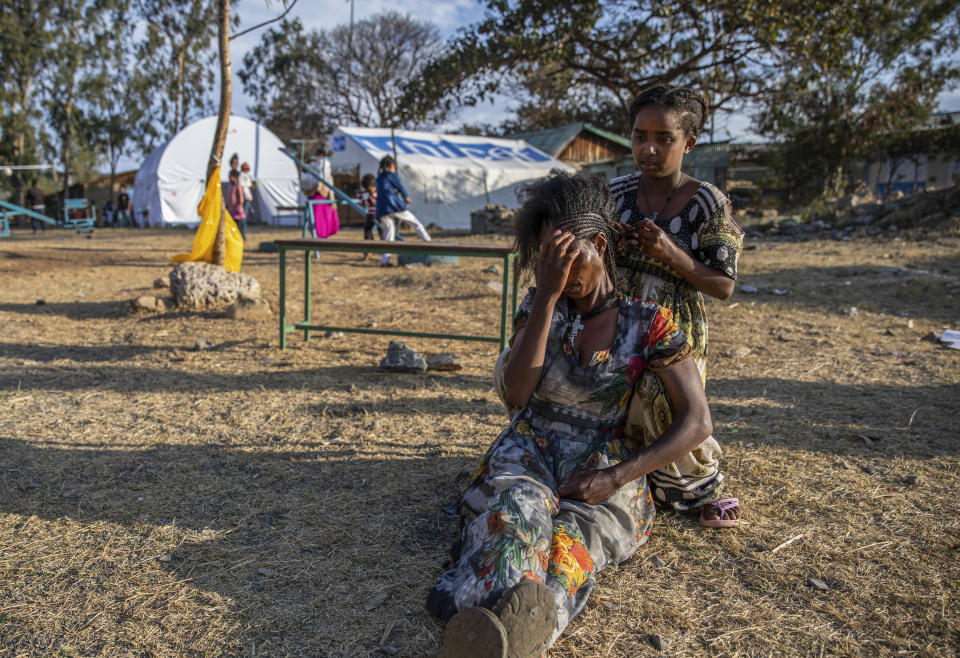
x,y
209,211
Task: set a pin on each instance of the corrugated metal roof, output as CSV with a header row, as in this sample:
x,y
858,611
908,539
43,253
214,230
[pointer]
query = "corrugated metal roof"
x,y
552,141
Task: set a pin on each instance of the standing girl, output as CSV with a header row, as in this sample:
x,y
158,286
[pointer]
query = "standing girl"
x,y
678,240
392,202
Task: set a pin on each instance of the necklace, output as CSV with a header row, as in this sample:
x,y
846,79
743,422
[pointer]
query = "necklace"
x,y
666,203
612,299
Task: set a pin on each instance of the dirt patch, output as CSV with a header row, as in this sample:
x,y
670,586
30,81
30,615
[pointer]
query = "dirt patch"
x,y
243,500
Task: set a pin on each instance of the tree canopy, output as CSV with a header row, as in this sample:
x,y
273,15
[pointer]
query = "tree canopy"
x,y
308,81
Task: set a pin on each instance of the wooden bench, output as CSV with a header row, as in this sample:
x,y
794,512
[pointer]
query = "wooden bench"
x,y
504,253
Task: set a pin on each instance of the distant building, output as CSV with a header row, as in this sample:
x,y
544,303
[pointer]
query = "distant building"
x,y
914,173
583,147
592,150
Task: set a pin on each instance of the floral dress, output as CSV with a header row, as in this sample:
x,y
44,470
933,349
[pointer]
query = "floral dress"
x,y
703,229
514,524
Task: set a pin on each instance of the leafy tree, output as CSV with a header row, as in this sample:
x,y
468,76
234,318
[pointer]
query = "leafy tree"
x,y
24,40
281,73
71,88
306,82
176,56
617,48
859,89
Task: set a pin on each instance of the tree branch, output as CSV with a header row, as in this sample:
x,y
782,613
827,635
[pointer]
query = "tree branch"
x,y
272,20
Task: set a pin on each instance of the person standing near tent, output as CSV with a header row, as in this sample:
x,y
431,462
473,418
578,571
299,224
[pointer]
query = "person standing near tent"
x,y
326,221
123,214
235,203
35,197
392,202
246,184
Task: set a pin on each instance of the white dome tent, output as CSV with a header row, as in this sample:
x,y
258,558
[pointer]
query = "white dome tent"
x,y
447,176
171,181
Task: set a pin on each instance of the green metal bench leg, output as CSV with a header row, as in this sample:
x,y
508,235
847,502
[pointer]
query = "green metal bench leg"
x,y
503,302
306,294
283,298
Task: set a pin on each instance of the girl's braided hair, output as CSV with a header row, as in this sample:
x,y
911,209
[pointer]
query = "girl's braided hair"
x,y
579,204
685,101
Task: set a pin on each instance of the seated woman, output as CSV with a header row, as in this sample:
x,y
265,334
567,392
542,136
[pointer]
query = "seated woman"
x,y
562,494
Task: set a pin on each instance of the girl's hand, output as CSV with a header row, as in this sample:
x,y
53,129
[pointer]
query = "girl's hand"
x,y
656,243
590,486
623,233
558,251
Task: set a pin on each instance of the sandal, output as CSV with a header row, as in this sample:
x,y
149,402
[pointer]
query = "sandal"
x,y
722,506
475,633
528,613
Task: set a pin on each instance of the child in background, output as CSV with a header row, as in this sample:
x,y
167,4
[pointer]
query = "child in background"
x,y
367,198
235,202
392,202
247,185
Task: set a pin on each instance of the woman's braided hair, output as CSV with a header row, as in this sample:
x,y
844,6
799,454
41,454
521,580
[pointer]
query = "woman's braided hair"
x,y
685,101
579,204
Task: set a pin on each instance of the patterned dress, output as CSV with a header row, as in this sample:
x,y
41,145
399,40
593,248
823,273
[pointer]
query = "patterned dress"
x,y
514,524
703,229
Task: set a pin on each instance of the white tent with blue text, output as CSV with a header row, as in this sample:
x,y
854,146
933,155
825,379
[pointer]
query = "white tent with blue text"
x,y
447,176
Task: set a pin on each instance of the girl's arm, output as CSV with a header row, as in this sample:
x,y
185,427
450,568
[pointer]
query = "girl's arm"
x,y
522,372
691,425
400,188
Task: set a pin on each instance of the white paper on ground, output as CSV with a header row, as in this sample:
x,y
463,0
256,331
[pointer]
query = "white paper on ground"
x,y
951,338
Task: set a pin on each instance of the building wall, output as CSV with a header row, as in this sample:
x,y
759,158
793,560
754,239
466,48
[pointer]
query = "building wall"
x,y
587,149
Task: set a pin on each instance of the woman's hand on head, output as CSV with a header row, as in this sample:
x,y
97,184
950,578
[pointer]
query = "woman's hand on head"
x,y
558,251
591,486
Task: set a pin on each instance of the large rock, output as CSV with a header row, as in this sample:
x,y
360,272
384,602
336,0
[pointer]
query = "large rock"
x,y
401,358
493,219
205,286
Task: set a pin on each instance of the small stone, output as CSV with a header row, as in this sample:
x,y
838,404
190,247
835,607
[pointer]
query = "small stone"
x,y
161,282
748,289
371,325
201,345
401,358
334,334
247,308
816,583
851,311
151,303
336,278
659,643
165,558
387,649
740,352
493,269
375,601
352,388
910,324
41,302
263,571
445,362
657,562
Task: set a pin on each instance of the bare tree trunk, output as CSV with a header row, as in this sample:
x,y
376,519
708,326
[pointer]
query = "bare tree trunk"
x,y
178,121
223,120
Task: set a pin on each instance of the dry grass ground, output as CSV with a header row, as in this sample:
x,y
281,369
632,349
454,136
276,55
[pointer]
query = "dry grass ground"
x,y
156,500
